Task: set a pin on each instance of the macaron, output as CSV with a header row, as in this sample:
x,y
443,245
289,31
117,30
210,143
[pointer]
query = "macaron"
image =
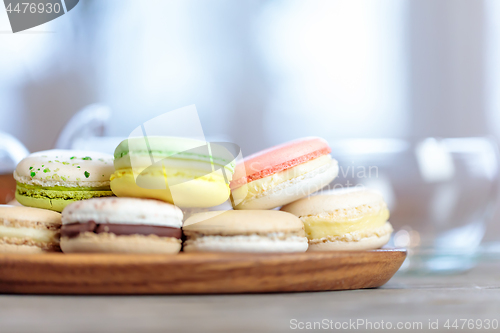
x,y
185,172
282,174
344,220
244,231
53,179
121,225
28,230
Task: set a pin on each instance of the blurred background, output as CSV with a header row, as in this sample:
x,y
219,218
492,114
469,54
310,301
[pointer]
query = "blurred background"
x,y
262,72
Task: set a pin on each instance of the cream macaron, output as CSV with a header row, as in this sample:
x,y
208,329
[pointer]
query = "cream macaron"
x,y
344,220
244,231
28,230
121,225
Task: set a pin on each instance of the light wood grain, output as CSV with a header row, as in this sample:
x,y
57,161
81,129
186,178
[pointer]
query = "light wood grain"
x,y
190,273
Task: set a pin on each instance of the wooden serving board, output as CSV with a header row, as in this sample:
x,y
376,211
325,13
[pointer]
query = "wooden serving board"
x,y
196,273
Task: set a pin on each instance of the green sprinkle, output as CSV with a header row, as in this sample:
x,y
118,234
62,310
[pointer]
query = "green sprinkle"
x,y
33,174
50,161
56,170
86,174
31,168
78,179
65,163
87,158
78,167
46,170
57,161
72,157
43,165
38,169
63,178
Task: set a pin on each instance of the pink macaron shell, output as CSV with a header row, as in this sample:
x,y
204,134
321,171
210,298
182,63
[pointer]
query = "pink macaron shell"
x,y
278,158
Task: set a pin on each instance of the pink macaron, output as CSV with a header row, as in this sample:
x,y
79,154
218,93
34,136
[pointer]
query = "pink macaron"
x,y
282,174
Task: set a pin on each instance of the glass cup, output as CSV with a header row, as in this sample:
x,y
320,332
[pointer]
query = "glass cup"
x,y
441,193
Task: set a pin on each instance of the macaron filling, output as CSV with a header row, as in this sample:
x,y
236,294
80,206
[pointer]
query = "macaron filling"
x,y
353,237
38,237
64,193
73,230
321,226
160,174
271,242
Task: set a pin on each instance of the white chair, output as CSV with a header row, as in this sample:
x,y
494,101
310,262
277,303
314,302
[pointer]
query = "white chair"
x,y
92,121
12,151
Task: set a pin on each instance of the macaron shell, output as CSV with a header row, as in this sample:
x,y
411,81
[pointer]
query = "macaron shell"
x,y
65,168
133,211
167,145
139,152
291,190
243,222
109,243
368,243
278,158
328,203
28,214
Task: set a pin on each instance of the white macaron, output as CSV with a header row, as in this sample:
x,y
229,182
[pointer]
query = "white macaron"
x,y
244,231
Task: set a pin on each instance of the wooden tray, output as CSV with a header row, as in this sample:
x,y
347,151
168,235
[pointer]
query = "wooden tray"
x,y
189,273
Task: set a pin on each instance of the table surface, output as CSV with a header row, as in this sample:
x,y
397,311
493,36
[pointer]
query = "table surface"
x,y
406,299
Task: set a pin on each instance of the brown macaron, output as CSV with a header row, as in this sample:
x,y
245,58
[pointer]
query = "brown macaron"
x,y
121,225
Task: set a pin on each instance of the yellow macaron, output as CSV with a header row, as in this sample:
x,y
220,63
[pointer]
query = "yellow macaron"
x,y
181,171
355,220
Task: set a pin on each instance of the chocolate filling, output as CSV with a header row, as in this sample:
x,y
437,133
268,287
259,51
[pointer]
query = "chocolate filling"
x,y
74,229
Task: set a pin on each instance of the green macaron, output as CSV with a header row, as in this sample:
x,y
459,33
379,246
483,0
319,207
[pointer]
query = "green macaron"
x,y
182,171
53,179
